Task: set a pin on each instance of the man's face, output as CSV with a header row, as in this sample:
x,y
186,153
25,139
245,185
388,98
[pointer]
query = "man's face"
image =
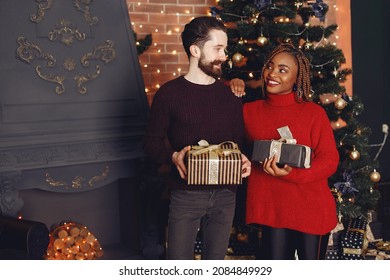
x,y
213,54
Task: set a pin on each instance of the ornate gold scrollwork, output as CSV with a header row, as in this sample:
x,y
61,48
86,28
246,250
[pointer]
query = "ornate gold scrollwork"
x,y
80,5
69,64
43,5
81,80
79,181
83,6
53,183
60,88
105,52
66,32
28,51
100,177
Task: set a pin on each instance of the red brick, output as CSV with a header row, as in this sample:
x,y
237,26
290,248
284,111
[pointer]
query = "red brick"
x,y
174,47
139,18
161,38
192,2
164,19
202,11
163,1
181,9
164,57
149,8
173,67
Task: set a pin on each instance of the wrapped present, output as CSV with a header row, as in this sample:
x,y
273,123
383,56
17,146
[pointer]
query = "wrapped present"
x,y
290,154
219,164
332,253
286,150
378,250
353,240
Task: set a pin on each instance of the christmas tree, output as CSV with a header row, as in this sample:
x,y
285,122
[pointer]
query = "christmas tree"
x,y
142,44
254,28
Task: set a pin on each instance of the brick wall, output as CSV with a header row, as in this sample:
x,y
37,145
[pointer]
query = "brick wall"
x,y
165,20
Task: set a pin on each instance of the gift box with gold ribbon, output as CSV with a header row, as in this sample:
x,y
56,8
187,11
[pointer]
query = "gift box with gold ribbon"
x,y
286,150
353,240
218,164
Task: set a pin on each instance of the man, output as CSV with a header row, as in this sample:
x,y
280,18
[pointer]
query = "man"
x,y
184,111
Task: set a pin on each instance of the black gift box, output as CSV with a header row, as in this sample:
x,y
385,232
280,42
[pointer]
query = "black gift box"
x,y
290,154
353,240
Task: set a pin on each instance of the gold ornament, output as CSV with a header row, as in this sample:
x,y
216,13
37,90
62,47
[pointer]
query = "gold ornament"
x,y
237,58
375,176
354,155
340,103
261,41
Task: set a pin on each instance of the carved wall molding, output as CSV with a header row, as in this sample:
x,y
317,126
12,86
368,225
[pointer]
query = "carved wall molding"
x,y
84,7
43,6
79,181
62,154
80,5
10,202
27,52
65,31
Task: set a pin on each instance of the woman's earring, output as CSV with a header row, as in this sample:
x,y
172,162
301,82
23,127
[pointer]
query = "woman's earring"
x,y
294,88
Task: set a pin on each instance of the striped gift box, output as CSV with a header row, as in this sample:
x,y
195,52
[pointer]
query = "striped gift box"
x,y
214,164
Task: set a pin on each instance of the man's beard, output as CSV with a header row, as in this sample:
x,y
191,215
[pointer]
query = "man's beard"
x,y
208,67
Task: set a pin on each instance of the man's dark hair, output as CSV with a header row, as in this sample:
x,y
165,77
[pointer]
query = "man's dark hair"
x,y
197,31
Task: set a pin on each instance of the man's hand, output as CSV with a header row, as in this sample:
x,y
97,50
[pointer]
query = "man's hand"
x,y
246,166
237,86
178,160
270,167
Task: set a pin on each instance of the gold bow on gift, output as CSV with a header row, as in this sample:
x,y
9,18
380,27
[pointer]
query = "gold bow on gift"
x,y
205,147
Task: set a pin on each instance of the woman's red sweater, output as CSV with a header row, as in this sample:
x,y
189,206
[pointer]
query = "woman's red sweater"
x,y
301,200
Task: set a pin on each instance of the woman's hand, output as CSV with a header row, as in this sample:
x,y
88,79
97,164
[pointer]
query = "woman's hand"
x,y
270,167
178,160
237,86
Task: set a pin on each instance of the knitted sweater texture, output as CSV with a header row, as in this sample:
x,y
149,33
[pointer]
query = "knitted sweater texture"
x,y
183,113
301,200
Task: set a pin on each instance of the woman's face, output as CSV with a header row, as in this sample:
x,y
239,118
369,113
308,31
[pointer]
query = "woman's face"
x,y
280,74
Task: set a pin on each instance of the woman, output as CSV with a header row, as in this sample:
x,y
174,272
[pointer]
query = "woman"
x,y
293,206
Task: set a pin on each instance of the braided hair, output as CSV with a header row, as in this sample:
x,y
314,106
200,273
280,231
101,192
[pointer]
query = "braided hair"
x,y
302,84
